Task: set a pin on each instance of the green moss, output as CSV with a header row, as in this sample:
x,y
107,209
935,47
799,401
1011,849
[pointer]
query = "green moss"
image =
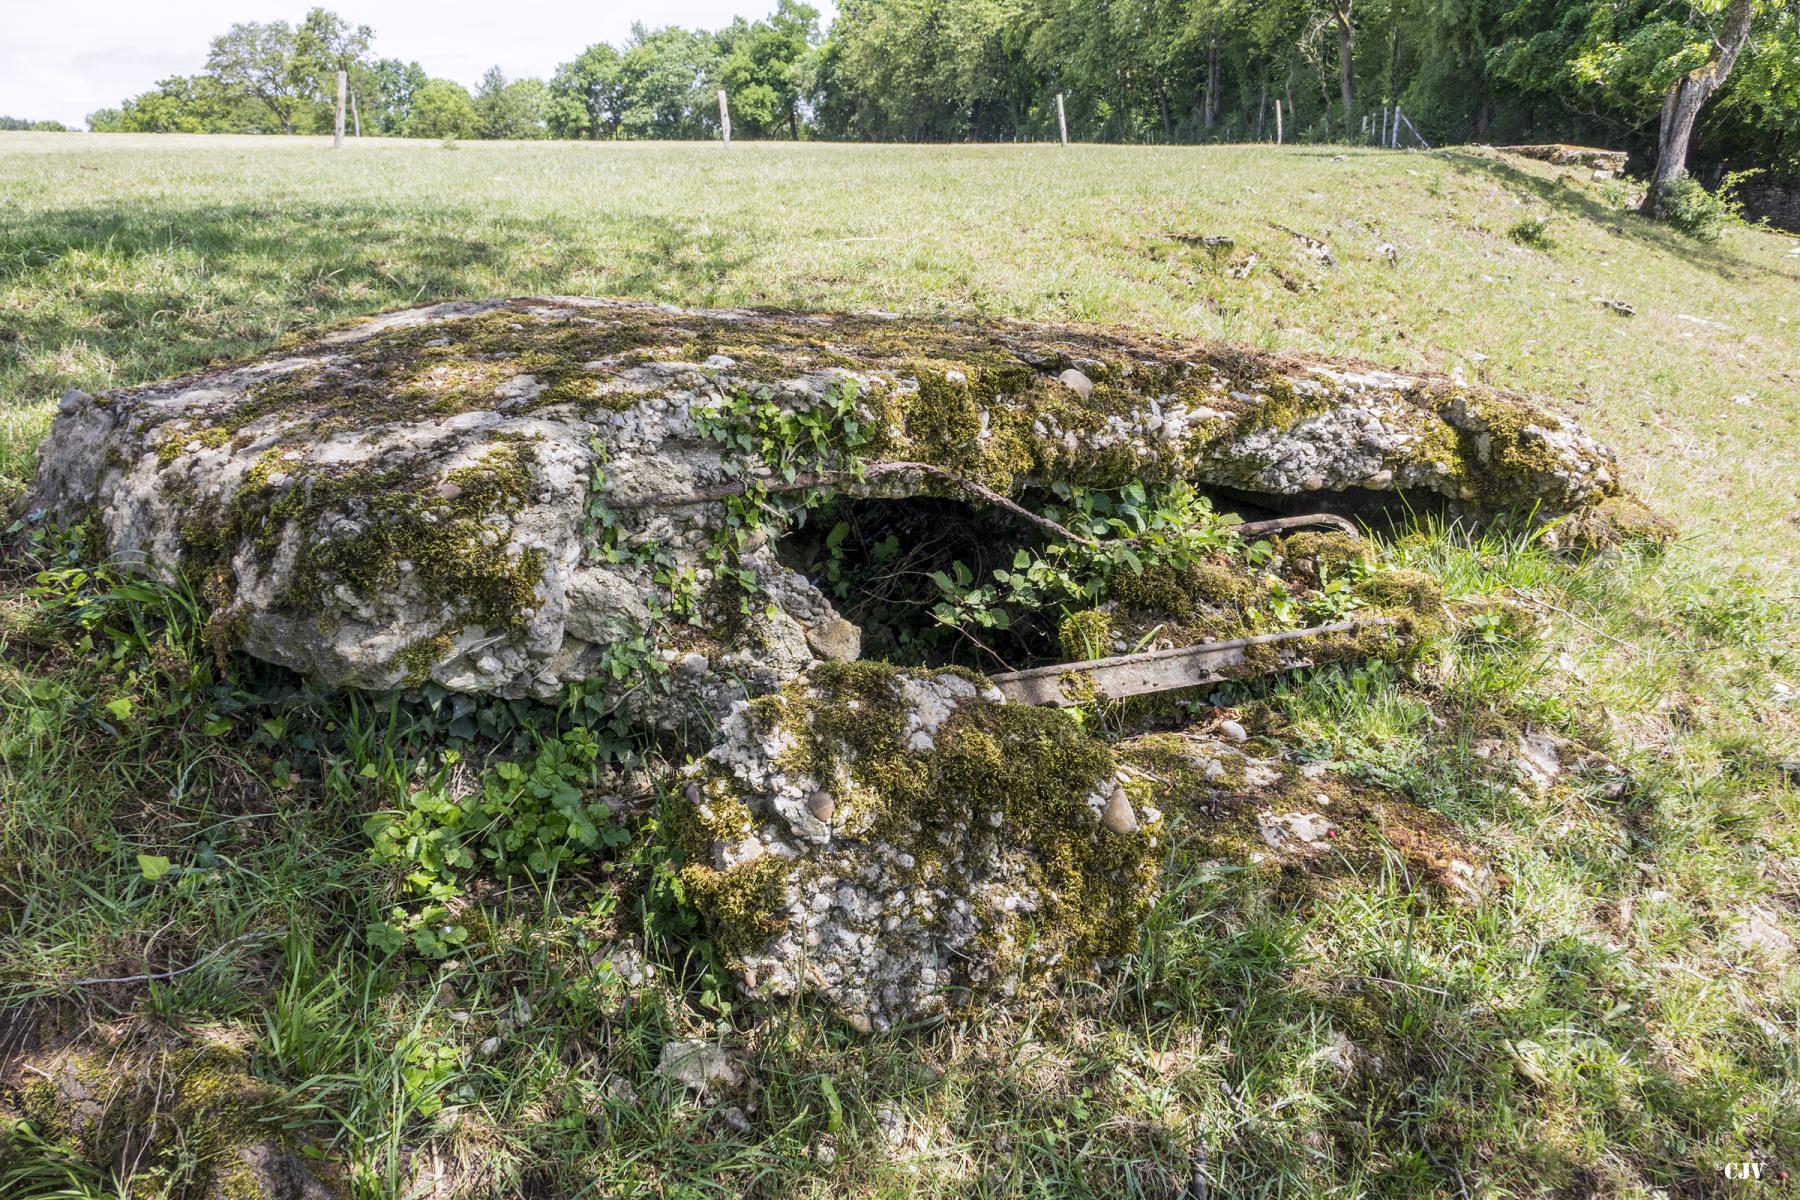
x,y
1217,585
181,1115
1401,587
1616,520
1016,778
1277,403
1181,593
1157,588
440,532
176,442
1323,554
418,658
742,904
1503,458
1085,635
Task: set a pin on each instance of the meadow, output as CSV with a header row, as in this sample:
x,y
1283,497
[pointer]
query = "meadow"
x,y
1622,1019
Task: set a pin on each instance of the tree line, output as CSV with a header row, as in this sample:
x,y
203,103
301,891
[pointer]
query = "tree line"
x,y
1631,73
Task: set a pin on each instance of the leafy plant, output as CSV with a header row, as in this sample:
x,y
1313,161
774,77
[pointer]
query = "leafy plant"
x,y
1336,596
520,818
1532,233
1702,215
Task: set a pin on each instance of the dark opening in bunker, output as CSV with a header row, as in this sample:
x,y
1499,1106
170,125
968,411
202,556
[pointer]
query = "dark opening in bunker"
x,y
937,581
918,575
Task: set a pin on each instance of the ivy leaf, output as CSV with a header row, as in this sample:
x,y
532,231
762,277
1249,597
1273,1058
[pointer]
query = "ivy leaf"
x,y
154,866
120,708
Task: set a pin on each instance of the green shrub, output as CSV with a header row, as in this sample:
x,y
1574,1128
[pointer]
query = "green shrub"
x,y
1702,215
1533,233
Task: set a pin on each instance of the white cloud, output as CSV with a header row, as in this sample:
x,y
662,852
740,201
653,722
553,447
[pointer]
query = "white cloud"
x,y
60,64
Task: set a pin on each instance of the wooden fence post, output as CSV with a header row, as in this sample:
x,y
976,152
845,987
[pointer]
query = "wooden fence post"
x,y
725,118
1062,119
1278,120
337,132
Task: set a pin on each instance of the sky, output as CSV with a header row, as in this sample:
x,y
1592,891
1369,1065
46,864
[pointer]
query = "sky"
x,y
60,65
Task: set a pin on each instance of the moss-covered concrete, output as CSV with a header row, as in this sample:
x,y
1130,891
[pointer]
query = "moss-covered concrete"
x,y
989,818
184,1120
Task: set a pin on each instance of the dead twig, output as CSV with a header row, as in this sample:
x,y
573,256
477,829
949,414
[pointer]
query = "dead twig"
x,y
157,976
1530,599
852,483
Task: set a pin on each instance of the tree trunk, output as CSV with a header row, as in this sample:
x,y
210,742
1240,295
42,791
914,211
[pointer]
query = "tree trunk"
x,y
794,122
1262,108
1162,98
1212,83
1687,95
1394,53
1340,9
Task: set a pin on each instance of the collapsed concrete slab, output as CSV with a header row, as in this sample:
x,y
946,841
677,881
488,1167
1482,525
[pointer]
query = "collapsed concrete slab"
x,y
453,493
708,517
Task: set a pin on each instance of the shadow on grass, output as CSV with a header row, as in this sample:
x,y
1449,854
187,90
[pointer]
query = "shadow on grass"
x,y
112,295
1578,204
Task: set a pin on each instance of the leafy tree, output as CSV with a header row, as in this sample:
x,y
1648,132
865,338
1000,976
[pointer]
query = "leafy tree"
x,y
325,44
384,92
1595,69
586,97
18,125
931,69
766,66
667,83
1343,21
1688,93
1717,81
442,109
185,104
261,59
511,110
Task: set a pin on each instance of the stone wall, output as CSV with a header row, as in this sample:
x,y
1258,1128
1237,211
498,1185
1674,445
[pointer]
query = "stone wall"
x,y
1776,201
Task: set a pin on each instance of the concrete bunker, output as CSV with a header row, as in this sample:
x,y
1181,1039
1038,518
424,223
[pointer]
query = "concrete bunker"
x,y
797,548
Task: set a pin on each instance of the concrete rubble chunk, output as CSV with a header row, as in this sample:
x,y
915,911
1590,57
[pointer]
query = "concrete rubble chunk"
x,y
700,1067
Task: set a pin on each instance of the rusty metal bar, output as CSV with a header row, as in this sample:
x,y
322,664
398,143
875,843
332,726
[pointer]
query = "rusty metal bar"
x,y
1310,521
1154,671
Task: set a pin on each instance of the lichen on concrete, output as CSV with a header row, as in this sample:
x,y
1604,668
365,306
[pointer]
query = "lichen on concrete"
x,y
890,841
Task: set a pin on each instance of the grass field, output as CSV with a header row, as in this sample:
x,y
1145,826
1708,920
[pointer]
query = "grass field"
x,y
1621,1020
